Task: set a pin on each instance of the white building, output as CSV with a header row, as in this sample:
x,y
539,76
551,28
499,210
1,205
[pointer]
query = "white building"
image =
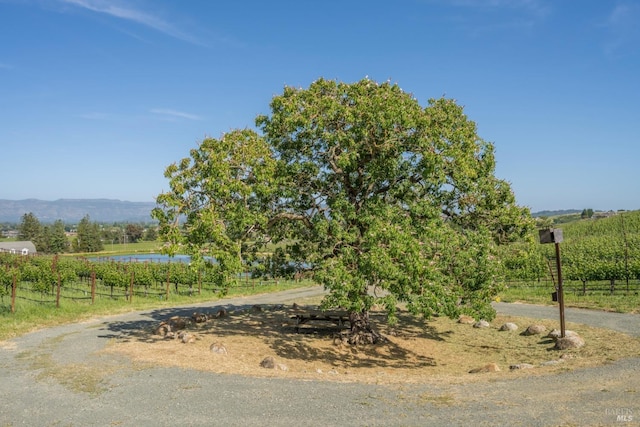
x,y
22,248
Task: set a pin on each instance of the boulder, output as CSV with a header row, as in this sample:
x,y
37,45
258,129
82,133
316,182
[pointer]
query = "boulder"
x,y
568,342
491,367
199,317
268,363
509,327
177,323
218,348
186,337
555,334
466,320
481,324
535,330
163,329
521,366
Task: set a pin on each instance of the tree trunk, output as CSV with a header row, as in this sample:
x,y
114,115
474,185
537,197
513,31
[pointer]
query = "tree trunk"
x,y
361,331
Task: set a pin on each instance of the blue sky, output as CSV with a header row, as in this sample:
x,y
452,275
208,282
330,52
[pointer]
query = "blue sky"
x,y
97,97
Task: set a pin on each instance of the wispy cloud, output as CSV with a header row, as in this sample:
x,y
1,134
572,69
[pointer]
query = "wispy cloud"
x,y
623,29
175,114
125,12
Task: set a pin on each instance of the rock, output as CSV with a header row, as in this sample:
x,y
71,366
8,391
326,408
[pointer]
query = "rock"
x,y
256,308
222,313
466,320
521,366
281,367
218,348
491,367
555,334
163,329
509,327
481,324
177,323
569,341
186,337
199,317
534,330
268,362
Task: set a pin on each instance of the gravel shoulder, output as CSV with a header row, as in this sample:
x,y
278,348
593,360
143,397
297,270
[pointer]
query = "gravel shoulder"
x,y
58,376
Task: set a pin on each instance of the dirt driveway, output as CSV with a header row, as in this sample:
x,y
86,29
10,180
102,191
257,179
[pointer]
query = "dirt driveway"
x,y
60,377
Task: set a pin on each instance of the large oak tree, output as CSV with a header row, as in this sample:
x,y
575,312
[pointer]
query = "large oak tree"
x,y
384,200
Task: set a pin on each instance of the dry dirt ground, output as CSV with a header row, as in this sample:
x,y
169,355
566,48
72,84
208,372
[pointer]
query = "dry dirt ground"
x,y
416,351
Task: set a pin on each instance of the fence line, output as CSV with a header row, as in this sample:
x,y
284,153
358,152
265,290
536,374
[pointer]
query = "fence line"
x,y
615,287
22,291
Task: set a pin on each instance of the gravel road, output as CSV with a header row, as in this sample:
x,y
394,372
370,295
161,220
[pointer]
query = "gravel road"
x,y
50,378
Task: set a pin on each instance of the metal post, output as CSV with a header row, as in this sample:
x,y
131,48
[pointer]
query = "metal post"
x,y
560,291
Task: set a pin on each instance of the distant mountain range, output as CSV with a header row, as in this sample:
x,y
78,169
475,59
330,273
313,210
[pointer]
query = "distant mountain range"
x,y
73,210
108,210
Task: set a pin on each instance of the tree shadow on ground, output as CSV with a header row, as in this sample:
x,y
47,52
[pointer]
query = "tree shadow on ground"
x,y
276,326
143,328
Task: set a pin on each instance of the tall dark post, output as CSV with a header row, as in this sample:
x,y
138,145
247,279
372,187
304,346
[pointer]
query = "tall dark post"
x,y
554,235
13,294
560,291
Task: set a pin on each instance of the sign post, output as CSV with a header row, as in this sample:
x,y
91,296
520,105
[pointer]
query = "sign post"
x,y
554,235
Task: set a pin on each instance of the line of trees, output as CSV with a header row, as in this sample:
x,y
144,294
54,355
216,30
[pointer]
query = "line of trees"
x,y
46,238
88,236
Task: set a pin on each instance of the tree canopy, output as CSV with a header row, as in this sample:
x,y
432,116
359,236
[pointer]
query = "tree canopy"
x,y
384,200
29,228
88,237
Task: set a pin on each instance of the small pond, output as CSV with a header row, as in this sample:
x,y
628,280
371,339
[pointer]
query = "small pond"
x,y
161,258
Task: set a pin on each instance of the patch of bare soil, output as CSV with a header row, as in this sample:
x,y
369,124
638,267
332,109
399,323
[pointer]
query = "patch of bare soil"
x,y
415,351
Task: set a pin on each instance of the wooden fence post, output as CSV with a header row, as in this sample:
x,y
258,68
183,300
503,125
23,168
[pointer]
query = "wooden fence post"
x,y
131,287
168,278
58,293
93,286
13,294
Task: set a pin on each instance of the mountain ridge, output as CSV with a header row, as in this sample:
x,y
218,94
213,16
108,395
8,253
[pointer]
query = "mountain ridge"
x,y
73,210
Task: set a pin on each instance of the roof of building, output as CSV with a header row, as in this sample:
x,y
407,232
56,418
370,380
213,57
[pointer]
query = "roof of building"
x,y
18,247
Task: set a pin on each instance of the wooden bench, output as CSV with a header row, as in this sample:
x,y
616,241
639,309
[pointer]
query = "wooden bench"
x,y
337,317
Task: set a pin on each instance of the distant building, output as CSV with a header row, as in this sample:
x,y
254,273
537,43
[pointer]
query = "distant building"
x,y
22,248
600,215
